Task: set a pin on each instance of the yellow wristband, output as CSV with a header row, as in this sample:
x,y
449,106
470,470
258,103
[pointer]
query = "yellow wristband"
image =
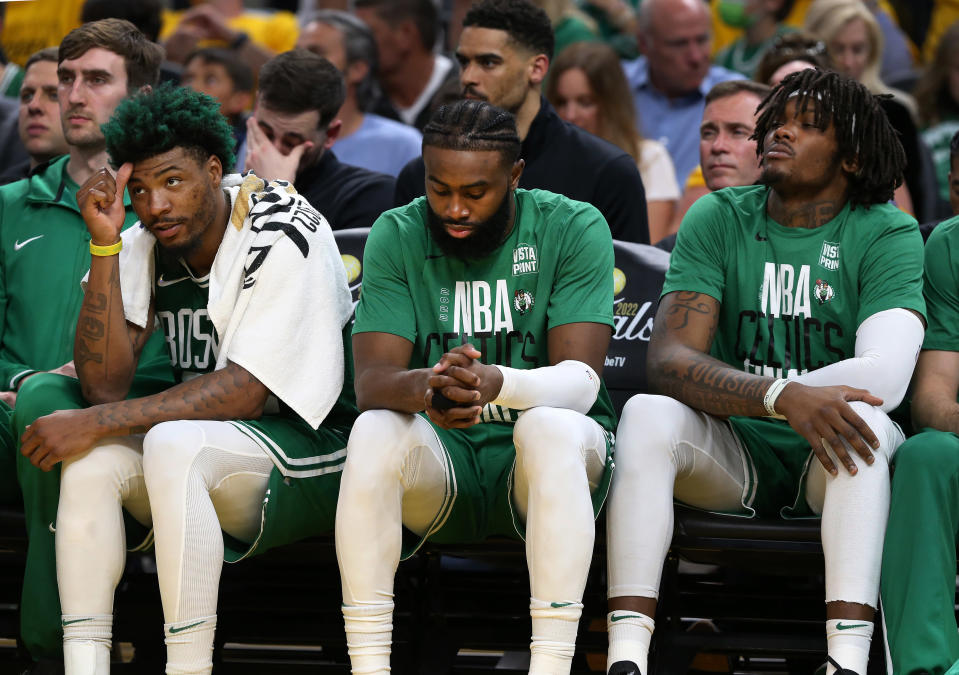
x,y
112,249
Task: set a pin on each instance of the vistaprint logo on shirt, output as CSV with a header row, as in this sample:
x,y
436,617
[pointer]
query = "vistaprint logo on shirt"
x,y
525,260
829,258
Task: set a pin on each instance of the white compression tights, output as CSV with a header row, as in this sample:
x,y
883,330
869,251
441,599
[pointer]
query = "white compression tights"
x,y
396,474
197,478
666,449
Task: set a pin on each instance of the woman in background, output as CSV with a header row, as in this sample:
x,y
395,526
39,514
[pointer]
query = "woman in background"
x,y
854,42
790,53
587,87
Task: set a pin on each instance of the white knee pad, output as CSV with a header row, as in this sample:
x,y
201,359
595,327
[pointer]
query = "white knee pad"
x,y
169,451
550,441
854,511
379,444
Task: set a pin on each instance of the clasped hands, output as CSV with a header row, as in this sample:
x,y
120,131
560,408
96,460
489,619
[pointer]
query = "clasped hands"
x,y
466,383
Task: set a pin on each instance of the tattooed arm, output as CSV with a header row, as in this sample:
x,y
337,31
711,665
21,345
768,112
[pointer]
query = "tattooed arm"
x,y
679,366
228,393
106,348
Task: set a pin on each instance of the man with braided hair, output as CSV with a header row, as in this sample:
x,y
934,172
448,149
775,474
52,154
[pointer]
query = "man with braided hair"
x,y
788,328
479,340
245,452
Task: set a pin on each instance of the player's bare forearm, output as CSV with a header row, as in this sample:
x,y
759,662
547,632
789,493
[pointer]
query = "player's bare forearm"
x,y
386,387
226,394
103,352
679,364
229,393
383,379
935,386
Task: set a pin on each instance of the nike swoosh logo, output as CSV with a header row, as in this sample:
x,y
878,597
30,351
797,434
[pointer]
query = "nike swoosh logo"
x,y
183,628
558,605
840,625
67,623
17,245
169,282
621,617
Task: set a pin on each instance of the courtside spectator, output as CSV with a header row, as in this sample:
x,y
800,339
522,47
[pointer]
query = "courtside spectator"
x,y
217,72
504,53
727,148
366,140
762,23
790,53
414,78
254,35
670,81
588,89
39,127
290,135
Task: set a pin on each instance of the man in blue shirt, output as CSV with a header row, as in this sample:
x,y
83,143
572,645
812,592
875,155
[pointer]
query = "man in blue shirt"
x,y
671,80
366,140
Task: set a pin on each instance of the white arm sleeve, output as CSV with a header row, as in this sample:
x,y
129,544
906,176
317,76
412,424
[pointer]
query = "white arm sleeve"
x,y
887,346
569,384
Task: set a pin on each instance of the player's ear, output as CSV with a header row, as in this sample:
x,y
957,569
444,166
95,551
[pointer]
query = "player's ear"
x,y
851,165
515,173
214,168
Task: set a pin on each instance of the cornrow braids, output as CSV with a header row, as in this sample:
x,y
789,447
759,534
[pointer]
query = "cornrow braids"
x,y
472,126
862,130
151,123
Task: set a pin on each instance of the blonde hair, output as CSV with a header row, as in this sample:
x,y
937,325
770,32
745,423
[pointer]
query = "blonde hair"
x,y
600,64
824,20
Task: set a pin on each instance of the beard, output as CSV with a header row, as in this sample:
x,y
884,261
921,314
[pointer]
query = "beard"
x,y
487,235
770,177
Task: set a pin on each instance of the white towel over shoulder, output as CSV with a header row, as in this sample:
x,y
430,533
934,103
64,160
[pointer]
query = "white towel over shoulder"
x,y
279,297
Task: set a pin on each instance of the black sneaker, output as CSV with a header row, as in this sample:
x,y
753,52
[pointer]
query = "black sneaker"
x,y
839,669
624,668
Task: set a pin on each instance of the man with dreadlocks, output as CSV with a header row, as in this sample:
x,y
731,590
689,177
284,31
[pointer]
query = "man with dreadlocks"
x,y
788,327
479,339
245,452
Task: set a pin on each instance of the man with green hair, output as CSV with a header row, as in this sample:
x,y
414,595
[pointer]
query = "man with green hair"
x,y
43,244
245,452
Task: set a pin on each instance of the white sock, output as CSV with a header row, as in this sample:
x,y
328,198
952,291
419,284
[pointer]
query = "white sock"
x,y
369,636
847,643
86,643
629,637
555,625
189,646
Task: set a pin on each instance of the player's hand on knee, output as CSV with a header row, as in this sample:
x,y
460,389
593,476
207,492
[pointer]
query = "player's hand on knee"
x,y
58,436
823,416
100,199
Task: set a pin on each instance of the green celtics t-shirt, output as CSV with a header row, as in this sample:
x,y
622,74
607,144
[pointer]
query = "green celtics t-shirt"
x,y
555,268
941,287
180,300
792,298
